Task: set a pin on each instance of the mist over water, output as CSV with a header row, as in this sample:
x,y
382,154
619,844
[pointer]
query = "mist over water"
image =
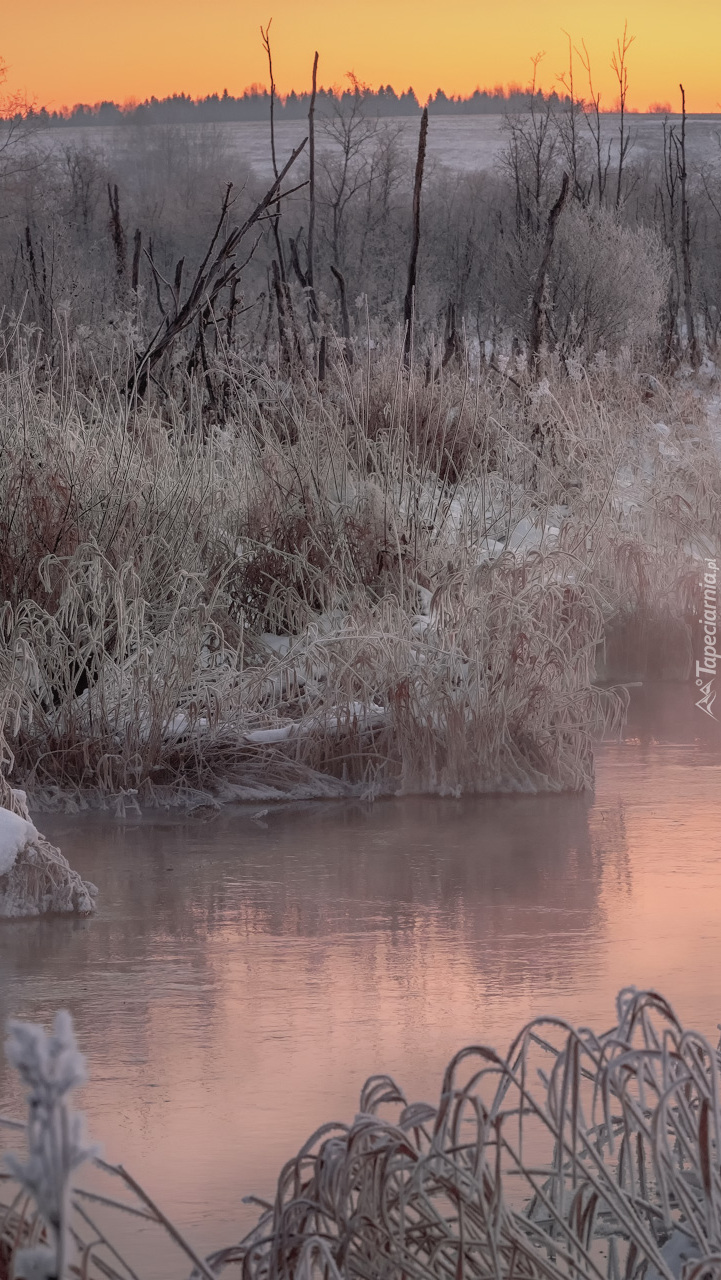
x,y
245,974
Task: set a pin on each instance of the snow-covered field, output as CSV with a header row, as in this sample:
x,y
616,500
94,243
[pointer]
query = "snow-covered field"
x,y
462,143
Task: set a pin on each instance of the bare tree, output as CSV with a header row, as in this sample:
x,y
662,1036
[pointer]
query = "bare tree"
x,y
265,37
346,173
306,278
674,206
84,171
538,301
19,152
571,140
217,271
592,113
286,314
530,159
686,237
620,68
384,176
667,208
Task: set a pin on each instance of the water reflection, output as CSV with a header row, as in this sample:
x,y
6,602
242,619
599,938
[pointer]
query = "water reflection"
x,y
244,975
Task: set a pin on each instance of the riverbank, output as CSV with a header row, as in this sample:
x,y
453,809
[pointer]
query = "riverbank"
x,y
386,584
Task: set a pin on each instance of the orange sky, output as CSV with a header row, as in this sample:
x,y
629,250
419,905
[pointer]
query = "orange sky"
x,y
65,51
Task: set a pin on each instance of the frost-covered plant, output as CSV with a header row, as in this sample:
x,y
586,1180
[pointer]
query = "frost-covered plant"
x,y
576,1155
51,1067
609,282
606,282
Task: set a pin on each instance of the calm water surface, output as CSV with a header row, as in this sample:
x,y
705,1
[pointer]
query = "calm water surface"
x,y
244,975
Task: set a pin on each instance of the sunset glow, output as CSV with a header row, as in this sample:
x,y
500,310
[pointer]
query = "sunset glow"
x,y
59,52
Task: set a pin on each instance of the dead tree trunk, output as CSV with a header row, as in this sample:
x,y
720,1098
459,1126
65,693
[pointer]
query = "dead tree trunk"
x,y
312,301
217,271
686,242
538,311
667,204
275,215
408,308
280,302
137,248
344,313
117,232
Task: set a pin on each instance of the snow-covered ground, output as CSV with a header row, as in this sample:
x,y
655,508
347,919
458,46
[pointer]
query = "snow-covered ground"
x,y
465,144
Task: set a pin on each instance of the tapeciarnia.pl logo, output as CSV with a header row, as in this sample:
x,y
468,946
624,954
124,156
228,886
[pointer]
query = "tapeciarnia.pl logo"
x,y
709,622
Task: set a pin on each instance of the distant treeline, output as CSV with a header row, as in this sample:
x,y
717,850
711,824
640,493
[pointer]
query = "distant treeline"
x,y
254,104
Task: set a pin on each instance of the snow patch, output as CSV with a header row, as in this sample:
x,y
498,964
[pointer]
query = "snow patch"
x,y
35,878
365,717
280,645
15,834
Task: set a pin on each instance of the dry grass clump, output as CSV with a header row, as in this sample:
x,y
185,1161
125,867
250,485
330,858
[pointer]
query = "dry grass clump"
x,y
392,580
489,689
577,1154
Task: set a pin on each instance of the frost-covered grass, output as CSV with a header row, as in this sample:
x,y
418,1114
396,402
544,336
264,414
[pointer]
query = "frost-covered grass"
x,y
398,581
575,1156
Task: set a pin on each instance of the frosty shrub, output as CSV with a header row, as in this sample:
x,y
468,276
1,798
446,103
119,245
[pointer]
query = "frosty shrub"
x,y
605,287
608,282
142,569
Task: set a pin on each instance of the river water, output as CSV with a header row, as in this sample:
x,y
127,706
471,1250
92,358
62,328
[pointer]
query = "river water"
x,y
245,974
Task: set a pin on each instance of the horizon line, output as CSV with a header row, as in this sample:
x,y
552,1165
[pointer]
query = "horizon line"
x,y
256,91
